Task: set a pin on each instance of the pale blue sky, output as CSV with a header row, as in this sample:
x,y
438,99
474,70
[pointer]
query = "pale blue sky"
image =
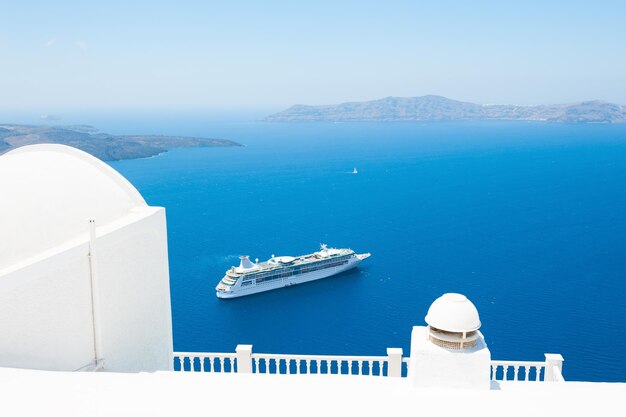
x,y
157,55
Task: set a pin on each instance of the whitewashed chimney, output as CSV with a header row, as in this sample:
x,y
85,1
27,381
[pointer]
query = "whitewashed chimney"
x,y
450,352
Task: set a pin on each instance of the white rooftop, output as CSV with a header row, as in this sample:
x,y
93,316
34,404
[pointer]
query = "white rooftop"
x,y
167,394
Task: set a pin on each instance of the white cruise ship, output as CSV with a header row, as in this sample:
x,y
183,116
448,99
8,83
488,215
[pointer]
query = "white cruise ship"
x,y
282,271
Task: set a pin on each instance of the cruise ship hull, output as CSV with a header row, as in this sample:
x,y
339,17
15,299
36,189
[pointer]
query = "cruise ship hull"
x,y
293,280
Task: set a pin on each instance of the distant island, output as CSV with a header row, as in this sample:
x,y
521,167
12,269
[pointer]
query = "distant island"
x,y
437,108
101,145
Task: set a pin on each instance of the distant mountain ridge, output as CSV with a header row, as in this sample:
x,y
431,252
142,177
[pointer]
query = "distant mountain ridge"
x,y
434,108
101,145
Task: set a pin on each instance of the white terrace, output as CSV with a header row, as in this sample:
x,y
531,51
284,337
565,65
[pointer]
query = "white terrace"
x,y
85,326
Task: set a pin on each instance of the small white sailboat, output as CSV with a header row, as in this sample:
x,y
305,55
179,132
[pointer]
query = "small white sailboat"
x,y
355,171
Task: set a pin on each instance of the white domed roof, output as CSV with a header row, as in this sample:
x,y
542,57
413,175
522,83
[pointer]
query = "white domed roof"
x,y
48,193
453,313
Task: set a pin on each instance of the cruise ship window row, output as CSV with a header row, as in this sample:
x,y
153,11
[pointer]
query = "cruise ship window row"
x,y
265,276
292,272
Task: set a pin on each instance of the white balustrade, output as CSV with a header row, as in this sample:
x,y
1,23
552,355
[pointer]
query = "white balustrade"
x,y
205,362
392,365
320,364
554,367
517,368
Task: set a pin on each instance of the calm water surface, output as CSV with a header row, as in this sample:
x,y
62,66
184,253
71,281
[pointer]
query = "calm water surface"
x,y
527,219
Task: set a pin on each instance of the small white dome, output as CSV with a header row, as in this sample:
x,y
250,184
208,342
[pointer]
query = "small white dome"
x,y
453,313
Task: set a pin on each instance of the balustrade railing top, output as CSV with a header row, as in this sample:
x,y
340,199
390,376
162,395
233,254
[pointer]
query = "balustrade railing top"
x,y
392,365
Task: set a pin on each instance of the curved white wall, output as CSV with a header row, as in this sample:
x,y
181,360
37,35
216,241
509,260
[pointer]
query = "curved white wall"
x,y
48,191
47,314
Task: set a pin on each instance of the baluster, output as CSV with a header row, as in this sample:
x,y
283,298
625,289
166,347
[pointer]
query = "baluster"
x,y
201,358
380,368
538,374
308,366
221,360
371,367
182,364
360,367
526,372
515,372
319,366
288,365
493,372
277,363
232,365
329,364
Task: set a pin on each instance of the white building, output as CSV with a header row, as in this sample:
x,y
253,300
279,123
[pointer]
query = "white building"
x,y
84,287
83,266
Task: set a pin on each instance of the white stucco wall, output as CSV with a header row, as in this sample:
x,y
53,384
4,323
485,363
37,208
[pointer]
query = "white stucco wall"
x,y
134,295
47,318
45,306
434,366
45,313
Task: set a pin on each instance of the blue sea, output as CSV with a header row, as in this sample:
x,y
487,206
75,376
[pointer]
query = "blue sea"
x,y
526,219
